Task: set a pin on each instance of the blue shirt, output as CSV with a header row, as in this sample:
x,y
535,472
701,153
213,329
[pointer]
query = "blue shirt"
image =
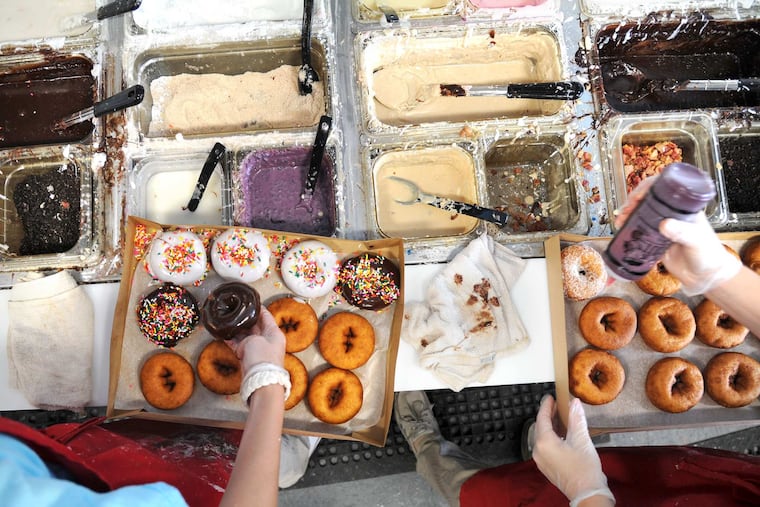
x,y
26,480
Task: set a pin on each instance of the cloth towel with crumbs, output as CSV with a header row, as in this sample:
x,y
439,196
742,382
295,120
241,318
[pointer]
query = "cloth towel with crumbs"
x,y
468,320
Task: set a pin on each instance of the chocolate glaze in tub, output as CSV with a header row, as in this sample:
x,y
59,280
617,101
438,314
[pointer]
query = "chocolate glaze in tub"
x,y
696,48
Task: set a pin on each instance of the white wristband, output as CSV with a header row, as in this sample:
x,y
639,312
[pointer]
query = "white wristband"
x,y
264,374
588,494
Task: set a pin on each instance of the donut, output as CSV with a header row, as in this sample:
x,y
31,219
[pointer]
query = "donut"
x,y
297,321
299,380
674,385
346,340
750,255
596,376
167,380
167,315
733,379
335,395
666,324
310,269
177,257
608,323
716,328
659,281
219,368
231,310
369,281
732,251
240,254
583,272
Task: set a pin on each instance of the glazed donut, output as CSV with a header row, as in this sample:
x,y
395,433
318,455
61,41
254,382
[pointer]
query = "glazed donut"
x,y
167,315
733,379
299,380
583,272
369,281
751,254
346,340
310,269
231,310
219,368
674,385
659,281
167,380
716,328
666,324
596,376
298,322
608,322
335,395
177,257
240,254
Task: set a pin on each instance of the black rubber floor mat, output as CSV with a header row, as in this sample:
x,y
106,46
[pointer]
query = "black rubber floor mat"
x,y
746,441
484,421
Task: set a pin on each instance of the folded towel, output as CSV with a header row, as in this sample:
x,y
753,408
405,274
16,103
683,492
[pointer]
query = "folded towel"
x,y
51,331
468,320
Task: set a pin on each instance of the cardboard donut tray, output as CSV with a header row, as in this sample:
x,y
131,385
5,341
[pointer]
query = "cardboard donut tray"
x,y
632,410
129,348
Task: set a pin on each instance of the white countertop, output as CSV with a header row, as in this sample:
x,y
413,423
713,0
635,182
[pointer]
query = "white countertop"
x,y
530,296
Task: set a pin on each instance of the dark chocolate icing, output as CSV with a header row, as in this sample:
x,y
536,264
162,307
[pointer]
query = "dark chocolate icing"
x,y
34,98
231,310
167,315
369,281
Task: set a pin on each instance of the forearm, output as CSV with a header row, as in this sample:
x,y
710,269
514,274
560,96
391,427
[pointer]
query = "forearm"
x,y
738,297
597,501
254,478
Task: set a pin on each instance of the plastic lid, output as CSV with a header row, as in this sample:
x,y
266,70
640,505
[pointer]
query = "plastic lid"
x,y
684,187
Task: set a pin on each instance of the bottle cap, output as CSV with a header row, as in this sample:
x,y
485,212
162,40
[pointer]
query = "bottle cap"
x,y
684,187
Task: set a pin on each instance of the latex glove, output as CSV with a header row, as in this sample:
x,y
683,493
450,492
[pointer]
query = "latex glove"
x,y
571,464
697,257
266,344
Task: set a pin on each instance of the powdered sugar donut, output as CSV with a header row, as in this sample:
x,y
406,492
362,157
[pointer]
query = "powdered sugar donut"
x,y
240,254
178,257
310,269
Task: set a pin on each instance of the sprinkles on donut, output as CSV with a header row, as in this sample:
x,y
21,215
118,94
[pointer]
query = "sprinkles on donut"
x,y
167,315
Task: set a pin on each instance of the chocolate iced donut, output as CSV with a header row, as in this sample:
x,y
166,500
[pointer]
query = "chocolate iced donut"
x,y
231,310
369,281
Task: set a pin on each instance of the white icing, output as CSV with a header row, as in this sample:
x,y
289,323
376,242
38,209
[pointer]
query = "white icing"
x,y
310,269
240,254
178,257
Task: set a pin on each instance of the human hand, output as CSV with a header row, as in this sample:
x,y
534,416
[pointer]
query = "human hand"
x,y
571,464
697,257
265,344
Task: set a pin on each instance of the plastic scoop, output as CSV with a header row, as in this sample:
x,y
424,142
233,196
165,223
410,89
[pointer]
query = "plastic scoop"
x,y
107,11
315,164
559,90
122,100
214,156
389,13
418,196
306,74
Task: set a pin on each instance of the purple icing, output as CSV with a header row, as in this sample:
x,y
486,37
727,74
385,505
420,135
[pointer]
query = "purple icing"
x,y
272,183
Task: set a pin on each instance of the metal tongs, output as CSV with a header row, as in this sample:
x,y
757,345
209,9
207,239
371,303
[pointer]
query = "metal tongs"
x,y
444,203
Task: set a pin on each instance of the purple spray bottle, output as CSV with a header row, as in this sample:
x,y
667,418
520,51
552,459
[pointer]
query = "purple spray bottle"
x,y
680,192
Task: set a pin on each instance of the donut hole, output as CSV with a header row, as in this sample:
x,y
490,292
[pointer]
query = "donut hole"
x,y
225,369
289,325
582,272
350,336
167,377
335,396
740,380
662,269
725,321
671,324
598,376
609,322
681,385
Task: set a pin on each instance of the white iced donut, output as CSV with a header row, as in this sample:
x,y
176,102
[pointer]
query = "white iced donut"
x,y
310,269
178,257
240,254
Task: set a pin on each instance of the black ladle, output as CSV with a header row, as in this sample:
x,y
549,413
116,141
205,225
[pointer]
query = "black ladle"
x,y
306,74
315,163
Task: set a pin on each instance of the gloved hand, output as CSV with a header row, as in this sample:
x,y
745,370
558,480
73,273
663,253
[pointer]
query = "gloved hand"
x,y
696,257
266,344
571,464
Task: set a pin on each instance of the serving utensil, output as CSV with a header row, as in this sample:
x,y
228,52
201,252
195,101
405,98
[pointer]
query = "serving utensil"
x,y
109,10
122,100
213,158
306,74
315,163
559,90
416,195
388,12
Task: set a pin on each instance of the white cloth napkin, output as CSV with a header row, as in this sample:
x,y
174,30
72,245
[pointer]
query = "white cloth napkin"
x,y
468,320
50,341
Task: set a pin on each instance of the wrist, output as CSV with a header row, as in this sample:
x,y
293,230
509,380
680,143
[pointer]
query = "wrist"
x,y
261,375
601,497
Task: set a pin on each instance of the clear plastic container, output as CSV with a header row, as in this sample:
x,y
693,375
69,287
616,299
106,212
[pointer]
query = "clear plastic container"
x,y
367,11
740,158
